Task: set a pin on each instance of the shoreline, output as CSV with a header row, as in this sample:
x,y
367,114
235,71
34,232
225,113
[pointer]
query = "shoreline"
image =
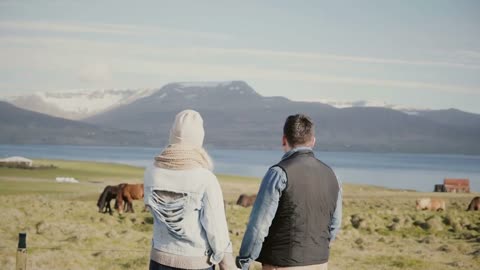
x,y
108,172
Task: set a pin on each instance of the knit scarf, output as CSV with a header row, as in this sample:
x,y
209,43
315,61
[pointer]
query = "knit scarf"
x,y
183,157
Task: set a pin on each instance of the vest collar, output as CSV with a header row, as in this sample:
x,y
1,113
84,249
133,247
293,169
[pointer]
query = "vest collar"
x,y
302,149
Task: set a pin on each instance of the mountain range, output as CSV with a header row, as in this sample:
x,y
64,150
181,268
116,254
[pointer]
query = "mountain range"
x,y
19,126
78,104
237,117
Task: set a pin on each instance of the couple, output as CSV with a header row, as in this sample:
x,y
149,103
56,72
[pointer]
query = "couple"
x,y
295,217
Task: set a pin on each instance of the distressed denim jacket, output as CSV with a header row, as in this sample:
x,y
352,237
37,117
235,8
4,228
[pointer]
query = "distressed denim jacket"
x,y
188,212
264,209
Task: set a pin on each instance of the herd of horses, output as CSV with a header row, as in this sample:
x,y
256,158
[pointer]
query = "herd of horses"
x,y
435,204
124,194
432,204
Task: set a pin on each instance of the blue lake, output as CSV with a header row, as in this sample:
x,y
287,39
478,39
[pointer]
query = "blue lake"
x,y
407,171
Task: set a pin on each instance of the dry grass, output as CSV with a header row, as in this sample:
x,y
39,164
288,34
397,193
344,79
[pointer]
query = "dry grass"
x,y
380,227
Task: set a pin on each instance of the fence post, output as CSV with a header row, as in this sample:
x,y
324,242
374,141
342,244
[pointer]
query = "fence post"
x,y
22,252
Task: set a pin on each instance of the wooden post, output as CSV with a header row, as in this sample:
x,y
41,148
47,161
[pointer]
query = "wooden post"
x,y
22,252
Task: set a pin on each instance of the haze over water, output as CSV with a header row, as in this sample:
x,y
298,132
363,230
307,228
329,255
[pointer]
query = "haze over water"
x,y
406,171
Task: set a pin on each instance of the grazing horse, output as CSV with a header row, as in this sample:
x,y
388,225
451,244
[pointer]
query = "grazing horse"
x,y
128,193
109,193
474,204
432,204
245,200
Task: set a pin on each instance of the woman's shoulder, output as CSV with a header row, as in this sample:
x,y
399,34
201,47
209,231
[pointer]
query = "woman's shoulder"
x,y
202,173
209,175
205,176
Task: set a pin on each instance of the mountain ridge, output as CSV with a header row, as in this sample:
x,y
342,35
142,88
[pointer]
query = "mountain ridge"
x,y
83,103
76,105
20,126
245,119
237,117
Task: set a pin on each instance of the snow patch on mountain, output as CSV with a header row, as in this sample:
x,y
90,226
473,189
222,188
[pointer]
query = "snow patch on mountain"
x,y
193,90
77,104
163,95
203,84
364,103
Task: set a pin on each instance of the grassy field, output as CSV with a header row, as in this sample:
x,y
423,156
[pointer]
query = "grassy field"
x,y
380,228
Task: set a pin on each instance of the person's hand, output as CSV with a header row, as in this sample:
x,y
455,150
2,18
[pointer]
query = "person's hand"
x,y
241,261
228,263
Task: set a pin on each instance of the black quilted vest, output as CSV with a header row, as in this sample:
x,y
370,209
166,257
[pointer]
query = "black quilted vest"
x,y
299,234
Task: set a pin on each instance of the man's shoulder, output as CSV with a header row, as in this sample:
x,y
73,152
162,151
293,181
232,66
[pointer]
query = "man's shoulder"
x,y
325,169
276,168
325,165
275,175
291,160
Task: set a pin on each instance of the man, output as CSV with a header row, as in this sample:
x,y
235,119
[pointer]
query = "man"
x,y
298,209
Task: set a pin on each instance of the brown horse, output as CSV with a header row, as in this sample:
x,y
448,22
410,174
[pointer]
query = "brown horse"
x,y
128,193
433,204
109,193
474,204
246,200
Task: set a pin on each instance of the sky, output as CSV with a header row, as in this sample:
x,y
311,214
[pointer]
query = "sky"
x,y
422,54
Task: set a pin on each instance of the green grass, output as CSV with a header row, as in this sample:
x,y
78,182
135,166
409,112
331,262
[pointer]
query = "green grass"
x,y
236,179
92,176
397,262
81,170
64,217
11,187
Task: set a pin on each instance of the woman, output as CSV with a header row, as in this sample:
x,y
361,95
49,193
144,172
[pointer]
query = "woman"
x,y
190,228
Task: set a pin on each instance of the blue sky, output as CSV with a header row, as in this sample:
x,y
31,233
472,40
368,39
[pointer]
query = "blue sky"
x,y
413,53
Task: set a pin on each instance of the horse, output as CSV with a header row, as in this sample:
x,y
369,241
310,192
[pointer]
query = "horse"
x,y
109,193
474,204
432,204
128,193
246,200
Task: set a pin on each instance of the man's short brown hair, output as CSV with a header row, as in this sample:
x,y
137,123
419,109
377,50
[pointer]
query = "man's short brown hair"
x,y
298,129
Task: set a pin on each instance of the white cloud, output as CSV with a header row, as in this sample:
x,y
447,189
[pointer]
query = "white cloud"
x,y
65,54
65,27
147,30
96,73
469,54
343,58
102,28
135,48
227,72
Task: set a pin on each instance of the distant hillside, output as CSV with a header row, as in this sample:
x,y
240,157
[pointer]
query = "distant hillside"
x,y
238,117
452,117
76,104
19,126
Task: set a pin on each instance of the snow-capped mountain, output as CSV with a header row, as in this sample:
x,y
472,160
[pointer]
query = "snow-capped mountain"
x,y
77,104
365,103
235,117
83,104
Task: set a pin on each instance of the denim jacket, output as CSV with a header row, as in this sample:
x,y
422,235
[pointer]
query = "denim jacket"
x,y
188,212
264,209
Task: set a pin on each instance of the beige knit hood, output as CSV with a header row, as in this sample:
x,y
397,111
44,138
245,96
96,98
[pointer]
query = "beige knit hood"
x,y
185,150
